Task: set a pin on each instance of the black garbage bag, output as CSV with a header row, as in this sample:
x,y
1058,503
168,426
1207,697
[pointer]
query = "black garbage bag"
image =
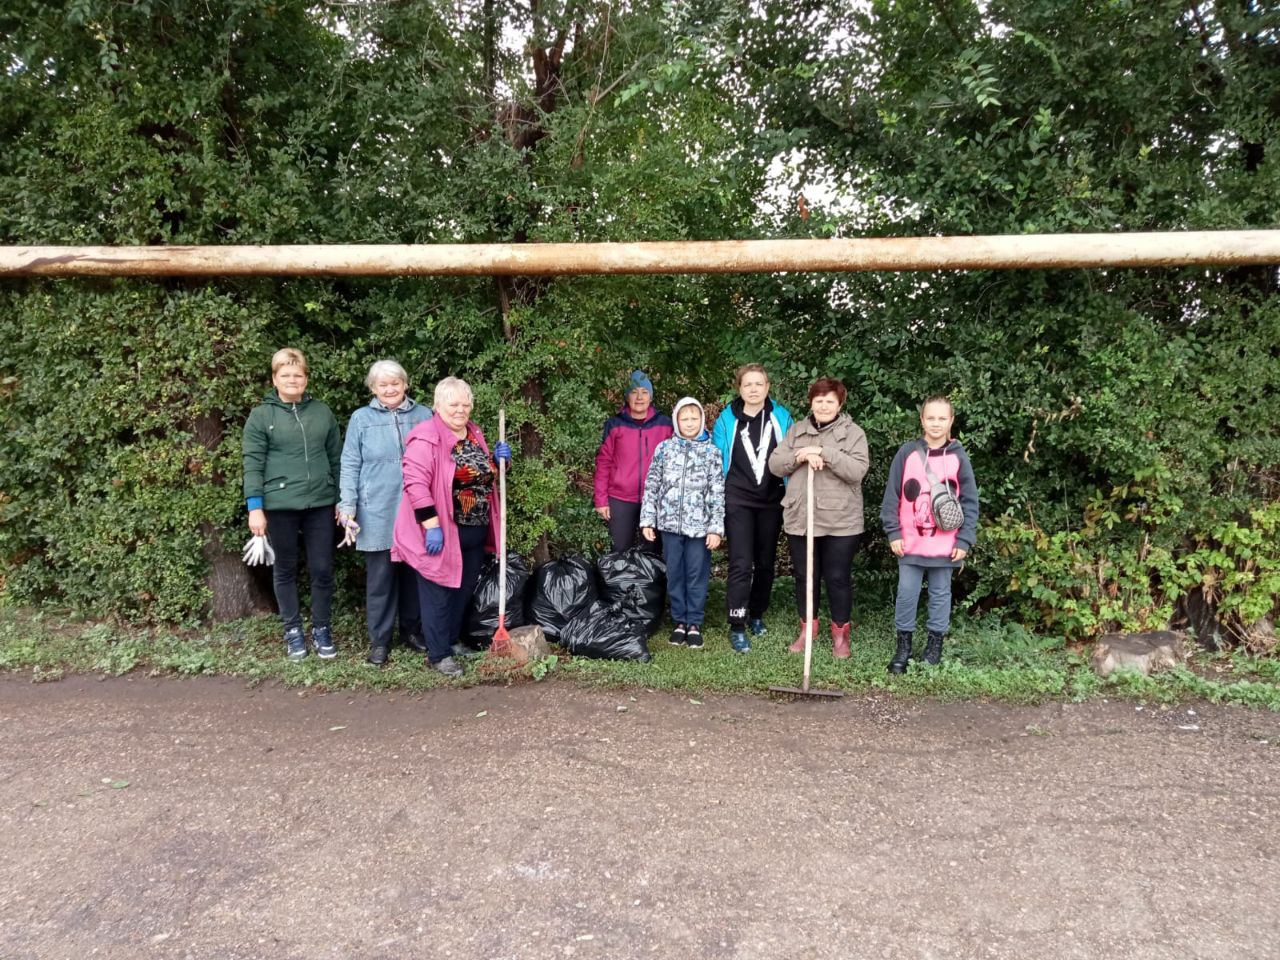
x,y
637,580
605,632
482,610
561,589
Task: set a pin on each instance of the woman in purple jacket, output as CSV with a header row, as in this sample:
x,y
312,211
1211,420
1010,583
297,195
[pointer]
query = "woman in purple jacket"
x,y
623,461
448,516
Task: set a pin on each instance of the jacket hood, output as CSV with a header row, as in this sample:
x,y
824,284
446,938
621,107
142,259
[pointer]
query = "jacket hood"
x,y
625,413
738,403
408,403
950,446
273,396
702,418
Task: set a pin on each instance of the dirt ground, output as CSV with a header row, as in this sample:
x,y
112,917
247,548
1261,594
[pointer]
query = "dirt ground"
x,y
168,818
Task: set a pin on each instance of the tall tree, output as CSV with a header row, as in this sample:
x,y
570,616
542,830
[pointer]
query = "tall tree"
x,y
1128,413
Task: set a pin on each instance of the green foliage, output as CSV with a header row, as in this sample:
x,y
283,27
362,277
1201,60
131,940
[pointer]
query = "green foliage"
x,y
244,121
1027,116
1130,561
1122,423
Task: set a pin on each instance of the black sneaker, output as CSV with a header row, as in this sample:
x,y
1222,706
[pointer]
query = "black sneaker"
x,y
377,656
693,637
677,635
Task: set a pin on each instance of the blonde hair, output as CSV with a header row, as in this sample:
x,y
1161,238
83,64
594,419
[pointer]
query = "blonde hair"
x,y
449,386
746,368
938,398
386,368
288,357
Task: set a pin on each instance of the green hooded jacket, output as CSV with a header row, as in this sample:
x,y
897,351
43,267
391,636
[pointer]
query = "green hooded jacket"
x,y
292,454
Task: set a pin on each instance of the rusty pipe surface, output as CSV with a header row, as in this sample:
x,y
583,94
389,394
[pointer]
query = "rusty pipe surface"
x,y
1015,252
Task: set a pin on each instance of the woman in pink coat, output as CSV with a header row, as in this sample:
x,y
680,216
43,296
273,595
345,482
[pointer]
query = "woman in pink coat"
x,y
448,516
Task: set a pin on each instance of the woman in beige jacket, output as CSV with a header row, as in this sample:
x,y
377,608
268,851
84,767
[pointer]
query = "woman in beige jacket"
x,y
830,444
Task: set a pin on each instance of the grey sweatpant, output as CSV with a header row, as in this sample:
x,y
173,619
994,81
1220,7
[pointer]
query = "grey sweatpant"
x,y
910,578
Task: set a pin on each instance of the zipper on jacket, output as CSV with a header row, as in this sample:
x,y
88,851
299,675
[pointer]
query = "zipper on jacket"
x,y
644,452
306,455
395,417
684,472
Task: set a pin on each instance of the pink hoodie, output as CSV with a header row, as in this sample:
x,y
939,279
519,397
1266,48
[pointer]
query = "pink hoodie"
x,y
428,482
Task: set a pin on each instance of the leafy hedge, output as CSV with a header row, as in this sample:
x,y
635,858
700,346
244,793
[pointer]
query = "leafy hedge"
x,y
1123,422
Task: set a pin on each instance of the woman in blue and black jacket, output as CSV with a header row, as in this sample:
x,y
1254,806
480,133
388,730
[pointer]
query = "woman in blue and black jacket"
x,y
746,432
370,490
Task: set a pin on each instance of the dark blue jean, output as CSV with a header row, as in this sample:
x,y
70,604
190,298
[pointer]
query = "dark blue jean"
x,y
442,608
316,529
391,591
688,570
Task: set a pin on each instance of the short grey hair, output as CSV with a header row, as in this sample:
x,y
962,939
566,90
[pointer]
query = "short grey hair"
x,y
450,386
386,368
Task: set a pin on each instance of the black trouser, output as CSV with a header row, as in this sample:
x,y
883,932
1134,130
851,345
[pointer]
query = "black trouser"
x,y
443,607
624,518
752,533
390,589
832,565
317,530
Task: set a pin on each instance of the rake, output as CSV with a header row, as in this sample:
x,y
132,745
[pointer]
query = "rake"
x,y
803,690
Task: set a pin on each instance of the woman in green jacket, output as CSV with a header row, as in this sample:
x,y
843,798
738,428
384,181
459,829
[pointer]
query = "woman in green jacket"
x,y
292,454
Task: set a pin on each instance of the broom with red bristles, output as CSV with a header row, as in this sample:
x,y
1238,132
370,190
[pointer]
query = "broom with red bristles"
x,y
501,645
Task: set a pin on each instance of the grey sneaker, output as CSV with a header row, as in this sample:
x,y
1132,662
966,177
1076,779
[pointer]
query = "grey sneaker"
x,y
461,651
295,643
449,667
322,637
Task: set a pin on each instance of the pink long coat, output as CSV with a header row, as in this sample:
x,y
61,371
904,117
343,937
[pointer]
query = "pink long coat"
x,y
428,482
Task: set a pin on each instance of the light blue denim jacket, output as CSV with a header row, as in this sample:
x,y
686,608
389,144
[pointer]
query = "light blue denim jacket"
x,y
371,481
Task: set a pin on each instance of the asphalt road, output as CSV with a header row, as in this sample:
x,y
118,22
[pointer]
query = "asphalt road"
x,y
199,818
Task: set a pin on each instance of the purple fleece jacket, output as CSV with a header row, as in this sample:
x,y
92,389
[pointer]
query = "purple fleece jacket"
x,y
625,451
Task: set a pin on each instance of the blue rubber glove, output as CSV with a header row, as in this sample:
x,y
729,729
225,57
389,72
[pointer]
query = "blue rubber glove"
x,y
434,540
502,452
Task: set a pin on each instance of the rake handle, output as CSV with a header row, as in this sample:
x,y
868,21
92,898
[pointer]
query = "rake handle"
x,y
502,522
808,579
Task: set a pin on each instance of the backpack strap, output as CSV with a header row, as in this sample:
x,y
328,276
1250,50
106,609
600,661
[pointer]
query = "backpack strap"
x,y
928,471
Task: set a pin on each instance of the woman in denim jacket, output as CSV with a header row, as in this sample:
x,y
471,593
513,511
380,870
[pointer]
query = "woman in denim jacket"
x,y
370,490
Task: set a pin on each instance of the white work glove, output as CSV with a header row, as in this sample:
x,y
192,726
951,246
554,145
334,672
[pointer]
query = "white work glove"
x,y
350,529
257,551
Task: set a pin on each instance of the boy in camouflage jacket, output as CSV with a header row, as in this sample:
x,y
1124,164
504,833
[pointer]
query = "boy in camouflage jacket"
x,y
684,501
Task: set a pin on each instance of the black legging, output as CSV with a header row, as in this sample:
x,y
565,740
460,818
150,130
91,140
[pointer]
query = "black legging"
x,y
832,565
752,533
317,533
